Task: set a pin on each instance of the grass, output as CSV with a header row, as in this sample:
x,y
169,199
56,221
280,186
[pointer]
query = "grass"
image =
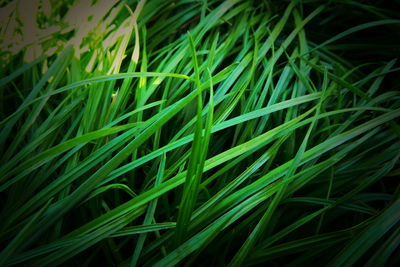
x,y
161,133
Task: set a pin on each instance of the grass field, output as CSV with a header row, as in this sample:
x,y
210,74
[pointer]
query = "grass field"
x,y
199,133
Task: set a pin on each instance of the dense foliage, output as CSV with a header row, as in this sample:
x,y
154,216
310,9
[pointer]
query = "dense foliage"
x,y
190,132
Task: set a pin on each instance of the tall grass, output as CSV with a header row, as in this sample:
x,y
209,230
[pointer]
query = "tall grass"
x,y
232,132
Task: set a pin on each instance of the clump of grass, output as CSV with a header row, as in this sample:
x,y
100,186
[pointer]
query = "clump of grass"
x,y
200,132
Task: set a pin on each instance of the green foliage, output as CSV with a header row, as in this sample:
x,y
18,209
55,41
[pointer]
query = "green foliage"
x,y
165,133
